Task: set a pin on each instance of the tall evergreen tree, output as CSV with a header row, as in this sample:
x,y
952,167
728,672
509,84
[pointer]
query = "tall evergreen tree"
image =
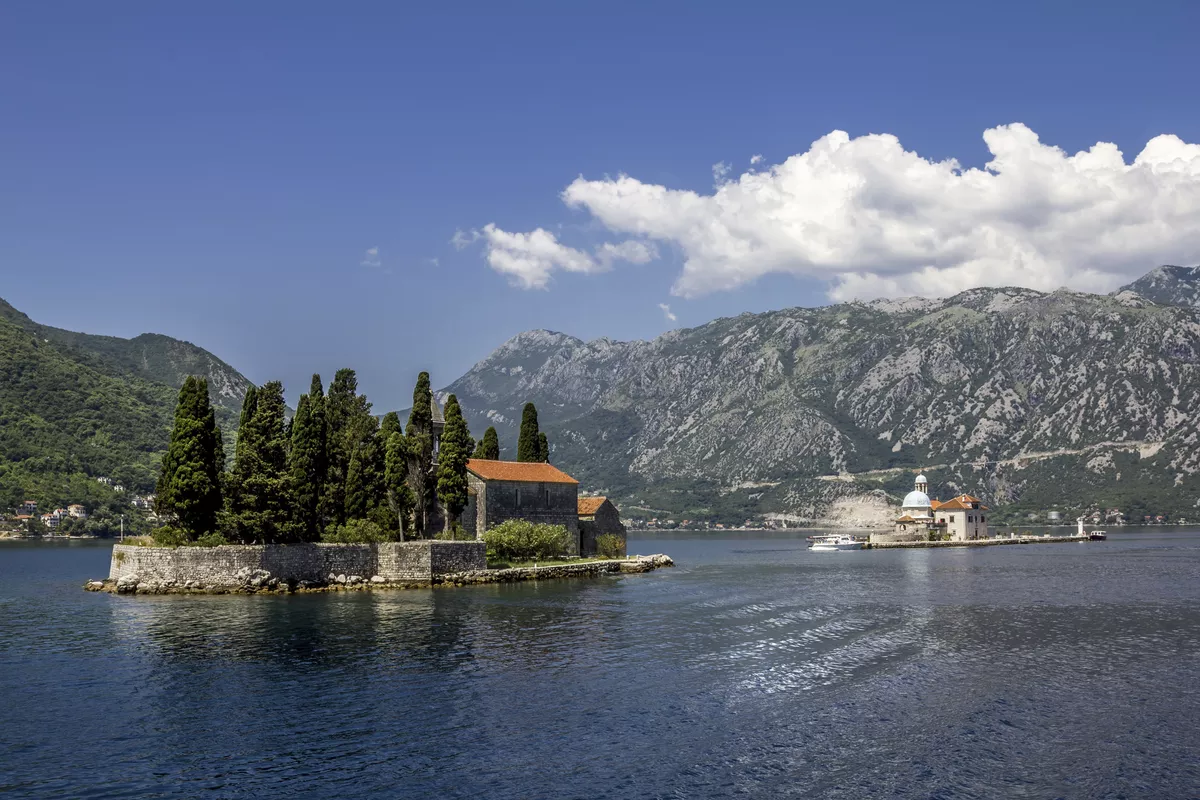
x,y
364,476
249,403
489,446
452,462
190,483
399,495
419,434
344,410
390,424
306,463
261,506
543,448
528,448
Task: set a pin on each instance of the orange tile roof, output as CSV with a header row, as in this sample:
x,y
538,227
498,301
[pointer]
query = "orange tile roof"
x,y
523,471
588,506
935,504
906,518
961,503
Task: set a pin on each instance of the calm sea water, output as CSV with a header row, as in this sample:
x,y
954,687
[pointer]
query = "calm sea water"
x,y
754,668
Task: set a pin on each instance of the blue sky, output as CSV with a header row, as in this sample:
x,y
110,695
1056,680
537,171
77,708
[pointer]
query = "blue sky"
x,y
218,173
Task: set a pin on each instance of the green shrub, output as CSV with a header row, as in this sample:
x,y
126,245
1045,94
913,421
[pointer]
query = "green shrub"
x,y
356,531
609,545
168,536
211,540
521,540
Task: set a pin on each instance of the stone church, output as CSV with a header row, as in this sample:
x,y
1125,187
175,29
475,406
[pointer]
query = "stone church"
x,y
921,519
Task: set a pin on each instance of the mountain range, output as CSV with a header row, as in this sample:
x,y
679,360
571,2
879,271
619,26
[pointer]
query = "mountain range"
x,y
1033,401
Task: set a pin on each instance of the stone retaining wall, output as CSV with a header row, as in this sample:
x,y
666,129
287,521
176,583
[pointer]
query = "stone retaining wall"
x,y
180,571
232,565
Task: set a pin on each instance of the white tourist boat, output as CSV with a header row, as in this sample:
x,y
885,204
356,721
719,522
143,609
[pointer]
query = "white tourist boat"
x,y
837,541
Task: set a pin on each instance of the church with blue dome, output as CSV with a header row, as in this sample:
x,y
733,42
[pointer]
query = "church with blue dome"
x,y
922,519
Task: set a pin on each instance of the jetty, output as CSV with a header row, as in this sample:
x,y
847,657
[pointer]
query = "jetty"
x,y
992,542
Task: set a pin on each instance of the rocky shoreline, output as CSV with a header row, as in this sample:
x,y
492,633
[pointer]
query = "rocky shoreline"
x,y
260,581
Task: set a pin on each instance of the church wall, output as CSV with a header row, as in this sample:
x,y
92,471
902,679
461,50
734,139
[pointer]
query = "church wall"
x,y
548,503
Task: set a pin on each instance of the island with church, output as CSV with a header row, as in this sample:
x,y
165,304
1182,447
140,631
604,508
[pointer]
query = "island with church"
x,y
337,499
961,521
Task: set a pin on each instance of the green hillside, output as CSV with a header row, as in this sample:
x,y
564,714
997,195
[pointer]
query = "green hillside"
x,y
74,407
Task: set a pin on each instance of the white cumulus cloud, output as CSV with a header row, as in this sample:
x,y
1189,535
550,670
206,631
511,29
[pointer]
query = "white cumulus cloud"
x,y
666,309
875,219
755,159
529,259
371,258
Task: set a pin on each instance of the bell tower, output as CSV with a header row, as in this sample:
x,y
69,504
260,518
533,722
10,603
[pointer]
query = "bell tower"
x,y
922,484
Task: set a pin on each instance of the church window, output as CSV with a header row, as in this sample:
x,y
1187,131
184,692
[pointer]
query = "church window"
x,y
518,498
982,519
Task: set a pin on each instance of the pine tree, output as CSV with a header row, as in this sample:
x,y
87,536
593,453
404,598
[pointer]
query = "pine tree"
x,y
261,507
399,495
489,446
452,463
528,448
190,483
420,452
306,462
543,448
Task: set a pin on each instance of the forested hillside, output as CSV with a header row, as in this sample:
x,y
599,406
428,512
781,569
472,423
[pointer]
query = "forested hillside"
x,y
74,407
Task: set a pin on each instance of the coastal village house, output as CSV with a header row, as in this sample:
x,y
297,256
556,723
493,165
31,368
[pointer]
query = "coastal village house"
x,y
921,519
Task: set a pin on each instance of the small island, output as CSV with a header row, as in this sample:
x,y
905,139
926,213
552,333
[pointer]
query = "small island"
x,y
335,498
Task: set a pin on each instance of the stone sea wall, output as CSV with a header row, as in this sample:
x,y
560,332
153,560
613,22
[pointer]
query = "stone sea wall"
x,y
320,567
302,565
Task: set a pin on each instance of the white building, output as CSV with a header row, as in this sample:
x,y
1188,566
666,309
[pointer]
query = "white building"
x,y
921,519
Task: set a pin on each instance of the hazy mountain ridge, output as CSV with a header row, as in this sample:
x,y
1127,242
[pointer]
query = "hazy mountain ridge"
x,y
754,413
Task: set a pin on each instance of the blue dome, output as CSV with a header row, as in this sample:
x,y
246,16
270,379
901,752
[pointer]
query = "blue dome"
x,y
916,500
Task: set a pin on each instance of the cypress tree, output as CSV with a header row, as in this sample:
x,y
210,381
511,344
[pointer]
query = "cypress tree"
x,y
452,462
543,448
420,451
306,464
189,485
399,495
489,446
528,448
249,403
390,424
262,505
356,488
343,409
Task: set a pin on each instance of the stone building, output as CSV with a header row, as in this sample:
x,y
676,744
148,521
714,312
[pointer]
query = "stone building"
x,y
922,519
597,517
963,517
504,490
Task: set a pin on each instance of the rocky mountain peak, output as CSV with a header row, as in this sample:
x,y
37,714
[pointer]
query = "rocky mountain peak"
x,y
1168,285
